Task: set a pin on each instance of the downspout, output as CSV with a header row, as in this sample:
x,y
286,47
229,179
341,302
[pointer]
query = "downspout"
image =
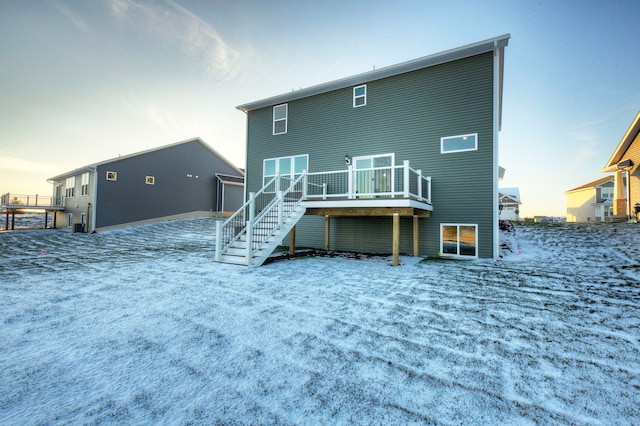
x,y
496,119
94,196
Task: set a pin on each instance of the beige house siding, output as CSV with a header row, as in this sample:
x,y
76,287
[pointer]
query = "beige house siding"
x,y
580,205
634,175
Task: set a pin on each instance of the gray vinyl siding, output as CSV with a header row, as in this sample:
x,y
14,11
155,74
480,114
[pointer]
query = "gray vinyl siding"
x,y
177,190
406,115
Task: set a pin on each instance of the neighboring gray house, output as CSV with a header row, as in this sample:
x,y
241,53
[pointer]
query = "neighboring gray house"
x,y
402,159
183,179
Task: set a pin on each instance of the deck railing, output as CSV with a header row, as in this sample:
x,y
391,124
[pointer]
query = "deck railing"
x,y
266,209
25,201
375,182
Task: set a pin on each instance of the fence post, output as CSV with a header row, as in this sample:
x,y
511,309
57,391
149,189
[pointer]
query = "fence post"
x,y
350,182
218,240
406,178
280,209
305,183
249,241
252,206
419,177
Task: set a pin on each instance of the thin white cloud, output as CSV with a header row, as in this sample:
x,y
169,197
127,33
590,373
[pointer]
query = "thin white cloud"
x,y
76,20
175,24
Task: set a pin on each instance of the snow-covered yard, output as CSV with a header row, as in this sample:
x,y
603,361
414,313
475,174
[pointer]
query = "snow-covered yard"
x,y
138,325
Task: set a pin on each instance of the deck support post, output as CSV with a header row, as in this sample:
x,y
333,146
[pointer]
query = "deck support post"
x,y
218,254
396,239
46,216
249,253
326,232
415,235
292,241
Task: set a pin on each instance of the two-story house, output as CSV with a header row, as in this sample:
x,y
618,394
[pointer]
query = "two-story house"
x,y
401,159
509,199
183,179
591,202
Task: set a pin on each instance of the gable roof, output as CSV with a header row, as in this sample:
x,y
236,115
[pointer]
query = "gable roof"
x,y
493,44
92,167
628,138
511,193
591,185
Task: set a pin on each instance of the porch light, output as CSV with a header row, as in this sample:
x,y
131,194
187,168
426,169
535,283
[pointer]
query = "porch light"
x,y
347,160
625,164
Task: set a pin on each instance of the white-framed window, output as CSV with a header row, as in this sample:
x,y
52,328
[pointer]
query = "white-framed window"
x,y
459,143
288,167
607,192
280,114
360,96
69,219
150,180
84,188
459,240
112,175
70,187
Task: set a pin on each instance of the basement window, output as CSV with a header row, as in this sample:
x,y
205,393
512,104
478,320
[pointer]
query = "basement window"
x,y
459,240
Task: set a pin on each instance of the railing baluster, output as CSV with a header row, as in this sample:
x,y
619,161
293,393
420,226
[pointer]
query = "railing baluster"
x,y
406,178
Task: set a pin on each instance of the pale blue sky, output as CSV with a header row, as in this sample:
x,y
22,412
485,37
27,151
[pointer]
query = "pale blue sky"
x,y
82,82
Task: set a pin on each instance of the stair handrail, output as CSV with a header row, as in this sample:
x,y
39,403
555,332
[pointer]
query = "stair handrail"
x,y
277,201
222,228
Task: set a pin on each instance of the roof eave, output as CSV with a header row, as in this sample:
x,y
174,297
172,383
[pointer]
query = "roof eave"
x,y
496,43
623,146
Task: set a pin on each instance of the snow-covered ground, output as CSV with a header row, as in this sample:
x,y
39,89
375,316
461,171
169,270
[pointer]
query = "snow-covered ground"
x,y
138,325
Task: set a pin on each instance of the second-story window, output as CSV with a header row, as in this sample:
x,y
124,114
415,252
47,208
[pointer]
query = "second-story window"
x,y
607,192
280,113
360,96
84,189
459,143
70,187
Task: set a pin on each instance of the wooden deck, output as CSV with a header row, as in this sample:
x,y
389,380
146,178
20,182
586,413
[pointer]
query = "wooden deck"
x,y
12,204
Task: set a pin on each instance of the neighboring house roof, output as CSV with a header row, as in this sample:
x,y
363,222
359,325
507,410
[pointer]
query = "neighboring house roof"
x,y
628,138
92,167
513,195
494,44
591,185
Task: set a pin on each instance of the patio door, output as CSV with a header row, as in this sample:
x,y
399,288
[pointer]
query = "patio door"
x,y
374,175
